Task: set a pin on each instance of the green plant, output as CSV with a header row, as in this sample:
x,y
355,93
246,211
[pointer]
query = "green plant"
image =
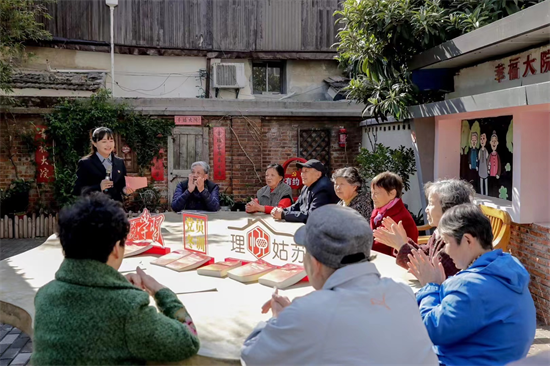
x,y
69,129
400,161
226,199
149,198
377,39
15,199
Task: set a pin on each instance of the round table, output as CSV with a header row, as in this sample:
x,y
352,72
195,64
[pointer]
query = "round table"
x,y
224,311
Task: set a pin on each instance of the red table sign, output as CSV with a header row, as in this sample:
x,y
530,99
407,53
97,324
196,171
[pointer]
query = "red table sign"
x,y
219,153
188,120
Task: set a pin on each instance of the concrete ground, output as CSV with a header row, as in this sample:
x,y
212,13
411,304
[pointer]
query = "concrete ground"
x,y
16,347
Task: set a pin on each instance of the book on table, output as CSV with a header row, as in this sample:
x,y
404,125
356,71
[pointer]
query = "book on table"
x,y
284,277
132,248
188,262
251,272
171,257
220,269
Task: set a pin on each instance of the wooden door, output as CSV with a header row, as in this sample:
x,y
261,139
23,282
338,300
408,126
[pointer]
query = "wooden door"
x,y
187,145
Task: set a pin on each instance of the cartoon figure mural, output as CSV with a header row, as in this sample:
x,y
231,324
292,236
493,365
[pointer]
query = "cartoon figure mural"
x,y
494,159
473,151
483,165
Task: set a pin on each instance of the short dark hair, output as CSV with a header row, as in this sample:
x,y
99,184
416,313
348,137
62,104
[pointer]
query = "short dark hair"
x,y
91,227
389,181
278,168
98,134
467,218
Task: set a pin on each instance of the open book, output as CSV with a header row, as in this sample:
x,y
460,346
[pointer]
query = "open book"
x,y
251,272
283,277
132,248
220,269
171,257
189,262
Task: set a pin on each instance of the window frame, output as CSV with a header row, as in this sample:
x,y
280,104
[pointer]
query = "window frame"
x,y
281,65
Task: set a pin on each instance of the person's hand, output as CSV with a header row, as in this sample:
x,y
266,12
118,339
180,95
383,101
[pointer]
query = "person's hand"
x,y
497,176
200,184
105,184
135,280
128,190
277,303
191,185
148,283
276,213
254,206
426,270
392,234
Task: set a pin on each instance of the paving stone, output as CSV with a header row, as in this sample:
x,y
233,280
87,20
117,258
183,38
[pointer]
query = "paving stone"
x,y
15,331
4,347
7,327
9,339
27,347
21,359
10,353
3,333
19,342
5,362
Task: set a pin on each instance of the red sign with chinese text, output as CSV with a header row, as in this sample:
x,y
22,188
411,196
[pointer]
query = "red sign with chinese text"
x,y
188,120
44,168
146,227
195,233
219,153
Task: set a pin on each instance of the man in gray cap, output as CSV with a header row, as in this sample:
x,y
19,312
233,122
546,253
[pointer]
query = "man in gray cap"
x,y
318,191
355,317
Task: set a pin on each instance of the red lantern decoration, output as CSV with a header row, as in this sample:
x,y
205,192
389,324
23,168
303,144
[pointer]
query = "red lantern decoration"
x,y
343,136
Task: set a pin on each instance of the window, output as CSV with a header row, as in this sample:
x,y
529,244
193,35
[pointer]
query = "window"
x,y
267,77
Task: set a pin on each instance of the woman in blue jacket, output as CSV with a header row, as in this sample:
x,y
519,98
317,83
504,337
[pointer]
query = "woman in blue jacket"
x,y
483,315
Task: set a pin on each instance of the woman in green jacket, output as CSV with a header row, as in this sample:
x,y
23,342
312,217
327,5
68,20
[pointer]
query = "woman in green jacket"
x,y
91,314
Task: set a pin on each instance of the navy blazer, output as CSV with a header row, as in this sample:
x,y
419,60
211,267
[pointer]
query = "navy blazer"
x,y
320,193
91,172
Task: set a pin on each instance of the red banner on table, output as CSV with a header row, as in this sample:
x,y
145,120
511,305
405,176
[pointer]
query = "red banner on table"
x,y
219,153
44,168
188,120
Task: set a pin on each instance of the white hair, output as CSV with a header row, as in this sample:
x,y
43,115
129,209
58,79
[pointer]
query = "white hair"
x,y
202,164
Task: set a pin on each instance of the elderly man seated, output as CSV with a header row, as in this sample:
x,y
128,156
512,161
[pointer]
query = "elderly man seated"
x,y
483,315
91,314
318,191
355,316
197,193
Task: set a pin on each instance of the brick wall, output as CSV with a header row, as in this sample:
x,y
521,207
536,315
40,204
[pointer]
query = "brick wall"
x,y
11,143
269,140
531,245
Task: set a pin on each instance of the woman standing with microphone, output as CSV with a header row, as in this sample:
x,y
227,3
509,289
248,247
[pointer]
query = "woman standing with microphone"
x,y
101,170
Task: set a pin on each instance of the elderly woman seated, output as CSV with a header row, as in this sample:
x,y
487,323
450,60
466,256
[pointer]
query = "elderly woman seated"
x,y
441,195
91,314
483,315
274,194
347,185
386,191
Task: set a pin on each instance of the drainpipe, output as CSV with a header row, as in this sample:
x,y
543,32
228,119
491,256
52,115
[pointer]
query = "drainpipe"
x,y
208,71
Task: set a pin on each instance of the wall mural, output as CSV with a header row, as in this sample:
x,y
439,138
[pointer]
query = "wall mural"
x,y
486,155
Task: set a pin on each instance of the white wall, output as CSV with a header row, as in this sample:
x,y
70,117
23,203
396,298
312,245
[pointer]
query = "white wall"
x,y
394,138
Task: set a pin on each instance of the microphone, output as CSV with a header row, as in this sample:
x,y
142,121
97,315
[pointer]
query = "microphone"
x,y
108,174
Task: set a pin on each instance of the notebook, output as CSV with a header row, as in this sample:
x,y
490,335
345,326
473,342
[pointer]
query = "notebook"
x,y
251,272
132,248
188,262
283,277
220,269
171,257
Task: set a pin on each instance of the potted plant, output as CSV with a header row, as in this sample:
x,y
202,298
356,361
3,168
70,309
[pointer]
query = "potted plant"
x,y
226,201
16,198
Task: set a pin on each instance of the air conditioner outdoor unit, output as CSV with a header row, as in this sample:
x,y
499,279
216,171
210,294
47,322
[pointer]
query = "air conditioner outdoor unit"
x,y
228,76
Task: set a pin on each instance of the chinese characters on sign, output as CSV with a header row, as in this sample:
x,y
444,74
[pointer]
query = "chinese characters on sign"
x,y
146,227
260,241
219,153
531,66
44,167
188,120
195,228
294,180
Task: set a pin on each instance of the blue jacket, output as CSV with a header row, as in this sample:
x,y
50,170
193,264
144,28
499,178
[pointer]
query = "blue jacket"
x,y
207,200
483,315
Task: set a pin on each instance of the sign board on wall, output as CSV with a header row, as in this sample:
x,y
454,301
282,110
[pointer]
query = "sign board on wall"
x,y
526,65
188,120
486,155
219,153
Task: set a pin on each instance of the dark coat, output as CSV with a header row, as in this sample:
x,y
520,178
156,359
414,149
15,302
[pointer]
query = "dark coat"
x,y
318,194
91,172
207,200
